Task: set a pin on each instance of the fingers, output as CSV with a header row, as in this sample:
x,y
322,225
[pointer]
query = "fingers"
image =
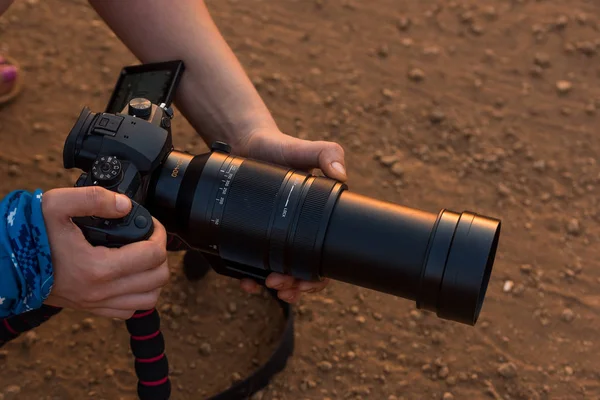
x,y
249,286
135,257
305,154
61,204
280,282
142,282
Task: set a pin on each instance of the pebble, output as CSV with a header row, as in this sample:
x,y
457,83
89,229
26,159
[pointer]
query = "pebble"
x,y
383,51
507,370
360,319
564,87
437,116
29,339
573,227
403,23
176,310
567,315
205,349
448,396
387,93
88,323
232,307
397,169
508,286
11,392
109,372
587,48
503,189
14,170
325,366
542,60
388,161
568,370
416,75
443,373
526,268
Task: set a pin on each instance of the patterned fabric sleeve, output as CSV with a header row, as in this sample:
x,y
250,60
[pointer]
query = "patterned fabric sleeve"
x,y
26,273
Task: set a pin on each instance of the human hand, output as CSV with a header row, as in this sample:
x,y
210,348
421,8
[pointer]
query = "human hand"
x,y
104,281
279,148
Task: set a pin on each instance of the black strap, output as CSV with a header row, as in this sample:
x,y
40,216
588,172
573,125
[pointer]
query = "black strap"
x,y
276,363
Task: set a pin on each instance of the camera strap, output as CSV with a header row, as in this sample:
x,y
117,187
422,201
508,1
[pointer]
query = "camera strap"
x,y
261,377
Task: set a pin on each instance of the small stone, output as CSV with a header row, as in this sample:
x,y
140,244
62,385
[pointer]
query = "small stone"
x,y
568,370
443,372
573,227
387,93
176,310
448,396
11,392
539,165
437,116
39,127
14,170
109,372
325,366
416,75
567,315
205,349
351,355
29,339
388,161
563,87
403,23
508,286
587,48
361,320
236,377
383,51
542,60
88,323
526,268
561,22
590,109
397,169
354,310
503,190
507,370
232,307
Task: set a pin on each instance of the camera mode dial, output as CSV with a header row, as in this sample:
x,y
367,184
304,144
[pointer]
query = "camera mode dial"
x,y
107,170
140,107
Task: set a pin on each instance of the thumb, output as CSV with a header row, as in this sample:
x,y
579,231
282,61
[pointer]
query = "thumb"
x,y
64,203
328,156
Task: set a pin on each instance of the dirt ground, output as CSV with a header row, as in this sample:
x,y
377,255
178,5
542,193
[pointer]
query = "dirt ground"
x,y
491,106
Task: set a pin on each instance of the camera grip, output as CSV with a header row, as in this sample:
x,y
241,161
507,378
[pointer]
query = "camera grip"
x,y
146,340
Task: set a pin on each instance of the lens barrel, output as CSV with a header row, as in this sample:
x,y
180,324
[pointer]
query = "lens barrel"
x,y
277,219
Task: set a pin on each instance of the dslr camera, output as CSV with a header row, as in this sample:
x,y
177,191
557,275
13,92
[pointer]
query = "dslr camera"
x,y
250,218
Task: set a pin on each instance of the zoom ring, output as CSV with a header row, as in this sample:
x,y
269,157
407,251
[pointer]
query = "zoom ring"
x,y
247,213
304,257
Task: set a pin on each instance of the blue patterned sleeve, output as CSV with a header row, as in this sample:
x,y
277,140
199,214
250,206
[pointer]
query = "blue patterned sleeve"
x,y
26,273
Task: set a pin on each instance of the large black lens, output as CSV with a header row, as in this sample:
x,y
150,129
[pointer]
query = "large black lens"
x,y
287,221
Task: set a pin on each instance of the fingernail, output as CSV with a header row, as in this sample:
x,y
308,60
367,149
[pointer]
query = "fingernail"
x,y
9,73
123,203
338,167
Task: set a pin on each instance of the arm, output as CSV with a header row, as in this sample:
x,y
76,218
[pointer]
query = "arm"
x,y
215,94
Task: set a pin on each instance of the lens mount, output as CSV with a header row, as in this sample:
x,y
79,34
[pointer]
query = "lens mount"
x,y
458,265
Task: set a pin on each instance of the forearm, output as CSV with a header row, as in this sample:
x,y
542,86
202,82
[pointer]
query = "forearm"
x,y
215,95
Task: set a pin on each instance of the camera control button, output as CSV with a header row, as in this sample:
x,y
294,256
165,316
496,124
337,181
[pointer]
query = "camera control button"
x,y
140,221
107,124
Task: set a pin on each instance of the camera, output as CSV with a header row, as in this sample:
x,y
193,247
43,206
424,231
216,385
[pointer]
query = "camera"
x,y
250,218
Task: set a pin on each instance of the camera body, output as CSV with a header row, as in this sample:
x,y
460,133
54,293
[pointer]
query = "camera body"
x,y
122,152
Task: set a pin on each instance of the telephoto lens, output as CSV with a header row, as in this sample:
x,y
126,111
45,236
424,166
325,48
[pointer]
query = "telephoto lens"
x,y
273,218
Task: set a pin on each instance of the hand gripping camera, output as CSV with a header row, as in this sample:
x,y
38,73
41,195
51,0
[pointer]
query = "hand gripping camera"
x,y
250,218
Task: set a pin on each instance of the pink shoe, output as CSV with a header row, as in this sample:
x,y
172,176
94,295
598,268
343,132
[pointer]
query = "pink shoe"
x,y
10,80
